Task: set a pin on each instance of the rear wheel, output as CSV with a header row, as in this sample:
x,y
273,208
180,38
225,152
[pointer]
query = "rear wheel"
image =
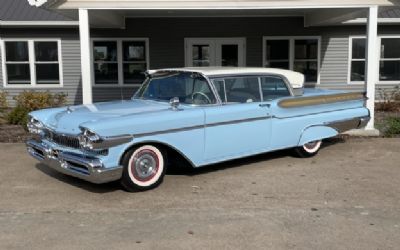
x,y
309,149
144,168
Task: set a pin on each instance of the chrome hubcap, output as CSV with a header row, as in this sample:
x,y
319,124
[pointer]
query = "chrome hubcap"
x,y
145,166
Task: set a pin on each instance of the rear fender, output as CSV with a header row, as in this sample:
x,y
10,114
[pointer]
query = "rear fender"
x,y
316,133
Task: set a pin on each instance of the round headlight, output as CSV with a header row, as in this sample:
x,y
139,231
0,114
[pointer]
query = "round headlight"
x,y
35,126
88,138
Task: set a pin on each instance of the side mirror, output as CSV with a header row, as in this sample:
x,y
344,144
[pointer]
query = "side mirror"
x,y
174,102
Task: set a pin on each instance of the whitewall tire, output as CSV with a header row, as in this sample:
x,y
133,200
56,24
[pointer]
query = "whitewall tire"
x,y
144,168
309,149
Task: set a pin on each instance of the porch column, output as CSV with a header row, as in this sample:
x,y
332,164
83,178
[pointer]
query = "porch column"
x,y
86,65
372,62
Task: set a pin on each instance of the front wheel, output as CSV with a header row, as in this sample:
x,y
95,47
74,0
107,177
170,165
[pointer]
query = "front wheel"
x,y
309,149
144,168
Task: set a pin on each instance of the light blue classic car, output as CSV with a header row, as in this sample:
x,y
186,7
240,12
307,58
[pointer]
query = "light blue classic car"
x,y
198,115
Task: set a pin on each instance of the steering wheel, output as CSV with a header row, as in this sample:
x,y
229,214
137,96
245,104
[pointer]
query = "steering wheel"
x,y
203,95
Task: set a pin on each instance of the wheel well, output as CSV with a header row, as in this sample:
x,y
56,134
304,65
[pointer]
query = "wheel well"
x,y
174,156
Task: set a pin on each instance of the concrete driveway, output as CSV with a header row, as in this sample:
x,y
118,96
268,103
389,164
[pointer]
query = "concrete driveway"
x,y
348,197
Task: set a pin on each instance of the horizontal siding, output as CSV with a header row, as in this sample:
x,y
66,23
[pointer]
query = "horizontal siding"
x,y
334,59
72,70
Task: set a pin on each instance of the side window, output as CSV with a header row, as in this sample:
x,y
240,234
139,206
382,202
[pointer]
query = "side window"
x,y
273,87
220,87
242,89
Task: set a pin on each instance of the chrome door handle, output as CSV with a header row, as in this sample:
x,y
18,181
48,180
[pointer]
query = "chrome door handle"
x,y
265,105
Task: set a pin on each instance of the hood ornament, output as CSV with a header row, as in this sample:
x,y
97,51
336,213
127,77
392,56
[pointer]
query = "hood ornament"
x,y
69,110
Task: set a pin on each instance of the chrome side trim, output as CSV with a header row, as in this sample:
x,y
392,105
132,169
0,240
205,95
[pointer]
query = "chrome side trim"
x,y
320,99
78,165
316,113
111,141
202,126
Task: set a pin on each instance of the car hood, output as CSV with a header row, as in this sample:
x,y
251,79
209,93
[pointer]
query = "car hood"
x,y
68,119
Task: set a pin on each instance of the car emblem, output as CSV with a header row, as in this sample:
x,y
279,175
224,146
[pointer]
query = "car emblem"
x,y
69,110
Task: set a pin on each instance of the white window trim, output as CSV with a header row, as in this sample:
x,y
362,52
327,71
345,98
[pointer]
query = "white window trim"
x,y
292,51
120,59
32,63
377,80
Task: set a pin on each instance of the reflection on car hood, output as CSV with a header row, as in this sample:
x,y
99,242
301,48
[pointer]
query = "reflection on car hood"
x,y
67,120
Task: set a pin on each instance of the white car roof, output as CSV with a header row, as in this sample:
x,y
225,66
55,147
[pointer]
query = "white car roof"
x,y
296,79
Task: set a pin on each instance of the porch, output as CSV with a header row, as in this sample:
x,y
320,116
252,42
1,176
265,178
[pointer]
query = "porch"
x,y
135,36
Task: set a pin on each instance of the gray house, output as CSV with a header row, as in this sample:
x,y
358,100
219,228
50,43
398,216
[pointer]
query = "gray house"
x,y
97,50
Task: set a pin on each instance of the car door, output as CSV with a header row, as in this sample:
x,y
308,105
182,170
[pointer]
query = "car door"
x,y
242,125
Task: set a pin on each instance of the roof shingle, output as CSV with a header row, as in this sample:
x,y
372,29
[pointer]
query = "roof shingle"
x,y
20,10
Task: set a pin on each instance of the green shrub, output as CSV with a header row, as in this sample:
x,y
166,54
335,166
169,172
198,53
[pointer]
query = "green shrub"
x,y
392,126
3,100
29,101
18,116
39,100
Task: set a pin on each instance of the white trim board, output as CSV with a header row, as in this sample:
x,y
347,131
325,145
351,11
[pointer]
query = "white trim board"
x,y
214,4
363,21
38,23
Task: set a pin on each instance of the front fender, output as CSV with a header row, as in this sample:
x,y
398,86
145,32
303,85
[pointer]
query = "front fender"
x,y
315,133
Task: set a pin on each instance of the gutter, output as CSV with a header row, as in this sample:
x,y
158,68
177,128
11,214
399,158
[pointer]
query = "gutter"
x,y
361,21
39,23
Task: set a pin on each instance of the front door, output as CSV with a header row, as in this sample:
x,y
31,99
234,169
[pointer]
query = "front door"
x,y
242,126
202,52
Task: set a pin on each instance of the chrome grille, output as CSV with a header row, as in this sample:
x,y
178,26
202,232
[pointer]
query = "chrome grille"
x,y
70,141
63,140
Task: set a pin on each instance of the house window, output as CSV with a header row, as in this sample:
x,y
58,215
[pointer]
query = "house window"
x,y
357,60
390,59
278,54
134,54
120,61
46,63
105,57
17,63
32,62
293,53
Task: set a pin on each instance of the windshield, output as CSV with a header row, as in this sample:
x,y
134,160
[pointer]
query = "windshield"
x,y
190,88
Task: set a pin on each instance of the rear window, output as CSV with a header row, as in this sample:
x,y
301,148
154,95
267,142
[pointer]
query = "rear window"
x,y
273,87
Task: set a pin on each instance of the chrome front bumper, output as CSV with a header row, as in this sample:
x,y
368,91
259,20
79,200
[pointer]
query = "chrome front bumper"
x,y
78,165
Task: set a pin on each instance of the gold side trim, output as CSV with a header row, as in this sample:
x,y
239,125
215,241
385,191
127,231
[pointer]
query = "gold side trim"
x,y
318,100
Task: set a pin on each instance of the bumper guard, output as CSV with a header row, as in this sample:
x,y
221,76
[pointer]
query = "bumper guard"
x,y
78,165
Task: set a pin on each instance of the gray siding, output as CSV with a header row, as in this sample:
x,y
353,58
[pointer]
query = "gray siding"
x,y
166,41
334,58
